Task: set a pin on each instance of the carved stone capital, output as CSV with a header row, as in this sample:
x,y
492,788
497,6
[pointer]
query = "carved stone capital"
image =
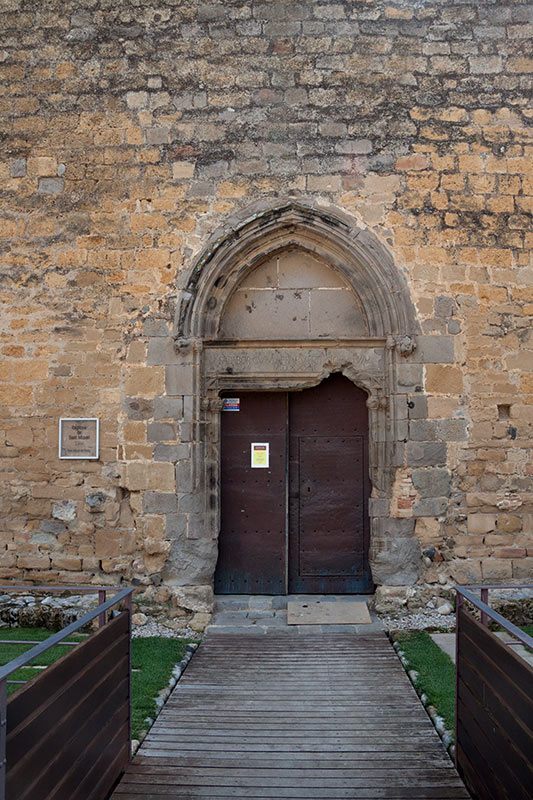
x,y
182,345
377,401
212,404
405,345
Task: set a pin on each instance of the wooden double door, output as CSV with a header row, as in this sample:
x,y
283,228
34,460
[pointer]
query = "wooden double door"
x,y
294,492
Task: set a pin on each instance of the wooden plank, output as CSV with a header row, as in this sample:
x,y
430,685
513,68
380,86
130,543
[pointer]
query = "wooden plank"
x,y
373,759
129,792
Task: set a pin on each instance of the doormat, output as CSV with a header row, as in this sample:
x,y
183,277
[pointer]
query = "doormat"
x,y
327,612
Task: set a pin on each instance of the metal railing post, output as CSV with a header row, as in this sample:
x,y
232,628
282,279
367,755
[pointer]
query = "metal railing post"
x,y
458,608
3,737
101,599
127,603
484,615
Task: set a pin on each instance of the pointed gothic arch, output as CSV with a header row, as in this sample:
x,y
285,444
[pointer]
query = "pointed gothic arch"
x,y
329,234
382,360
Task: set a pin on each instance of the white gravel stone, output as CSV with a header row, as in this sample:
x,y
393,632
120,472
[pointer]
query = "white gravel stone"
x,y
419,621
154,628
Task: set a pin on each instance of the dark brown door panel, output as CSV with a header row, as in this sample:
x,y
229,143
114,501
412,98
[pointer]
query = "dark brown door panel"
x,y
318,441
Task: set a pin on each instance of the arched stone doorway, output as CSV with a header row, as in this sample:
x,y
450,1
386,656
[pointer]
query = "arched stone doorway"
x,y
280,300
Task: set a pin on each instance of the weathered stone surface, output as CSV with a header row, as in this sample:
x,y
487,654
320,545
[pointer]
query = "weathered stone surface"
x,y
417,406
452,430
161,432
435,349
138,408
422,430
431,507
399,563
179,380
432,482
481,523
195,598
49,526
64,510
160,503
171,452
168,408
389,599
425,454
199,621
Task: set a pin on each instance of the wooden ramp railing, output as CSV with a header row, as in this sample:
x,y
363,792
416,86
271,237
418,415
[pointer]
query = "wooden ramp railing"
x,y
494,712
66,733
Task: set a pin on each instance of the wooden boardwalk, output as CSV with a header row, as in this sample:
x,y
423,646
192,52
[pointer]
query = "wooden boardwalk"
x,y
292,716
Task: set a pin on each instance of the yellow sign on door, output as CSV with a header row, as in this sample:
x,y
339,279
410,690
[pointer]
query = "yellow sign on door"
x,y
260,455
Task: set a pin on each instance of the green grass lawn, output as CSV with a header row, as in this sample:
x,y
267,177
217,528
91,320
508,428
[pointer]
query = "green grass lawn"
x,y
152,660
436,672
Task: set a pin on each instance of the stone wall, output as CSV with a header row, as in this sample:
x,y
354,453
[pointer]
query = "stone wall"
x,y
132,133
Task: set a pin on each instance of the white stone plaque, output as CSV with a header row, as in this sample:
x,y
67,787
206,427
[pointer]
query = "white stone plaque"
x,y
79,438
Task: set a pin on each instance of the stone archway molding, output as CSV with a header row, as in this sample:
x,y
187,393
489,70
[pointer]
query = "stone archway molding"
x,y
263,230
383,362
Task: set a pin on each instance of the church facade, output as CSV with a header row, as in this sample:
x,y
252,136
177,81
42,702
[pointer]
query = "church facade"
x,y
270,265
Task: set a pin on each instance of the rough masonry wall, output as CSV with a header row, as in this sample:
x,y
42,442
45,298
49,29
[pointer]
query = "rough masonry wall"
x,y
132,130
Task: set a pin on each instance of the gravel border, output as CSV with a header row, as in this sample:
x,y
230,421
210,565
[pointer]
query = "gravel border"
x,y
422,620
155,628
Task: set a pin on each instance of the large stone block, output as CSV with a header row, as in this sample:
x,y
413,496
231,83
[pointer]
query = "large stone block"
x,y
443,379
171,452
481,523
161,351
161,432
184,478
417,405
384,529
176,526
422,430
452,430
509,523
179,380
160,503
496,569
191,561
168,408
195,598
432,482
431,507
379,507
523,569
419,454
138,408
397,563
466,571
434,349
